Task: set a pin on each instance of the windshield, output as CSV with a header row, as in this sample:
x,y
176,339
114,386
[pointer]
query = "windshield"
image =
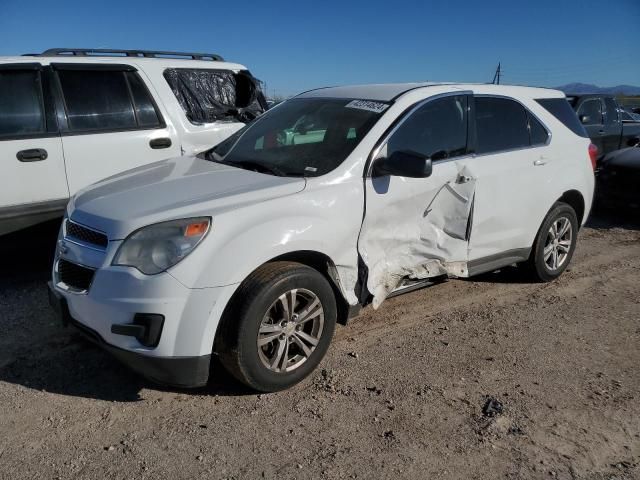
x,y
301,137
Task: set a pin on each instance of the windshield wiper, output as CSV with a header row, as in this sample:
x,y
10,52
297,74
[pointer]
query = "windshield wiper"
x,y
257,167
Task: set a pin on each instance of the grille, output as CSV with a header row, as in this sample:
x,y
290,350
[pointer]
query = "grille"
x,y
75,276
86,235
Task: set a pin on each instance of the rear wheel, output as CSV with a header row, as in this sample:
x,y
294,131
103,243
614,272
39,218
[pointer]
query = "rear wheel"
x,y
278,327
554,244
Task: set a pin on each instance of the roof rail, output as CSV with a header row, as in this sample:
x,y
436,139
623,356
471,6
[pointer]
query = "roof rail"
x,y
108,52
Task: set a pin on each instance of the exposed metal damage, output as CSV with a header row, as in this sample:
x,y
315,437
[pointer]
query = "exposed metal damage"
x,y
424,236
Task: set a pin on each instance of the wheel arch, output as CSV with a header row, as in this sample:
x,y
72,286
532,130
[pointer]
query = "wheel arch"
x,y
575,200
320,262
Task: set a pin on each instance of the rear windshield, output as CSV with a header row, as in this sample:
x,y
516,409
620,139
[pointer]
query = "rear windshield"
x,y
301,137
560,108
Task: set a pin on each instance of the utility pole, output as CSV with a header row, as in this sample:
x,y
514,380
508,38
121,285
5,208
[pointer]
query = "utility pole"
x,y
496,76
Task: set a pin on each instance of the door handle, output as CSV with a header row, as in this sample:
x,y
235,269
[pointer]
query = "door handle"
x,y
462,179
32,155
601,132
540,161
158,143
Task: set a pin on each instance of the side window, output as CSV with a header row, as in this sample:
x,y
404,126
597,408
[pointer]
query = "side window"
x,y
590,112
208,95
97,100
501,124
146,112
611,116
437,129
537,132
21,104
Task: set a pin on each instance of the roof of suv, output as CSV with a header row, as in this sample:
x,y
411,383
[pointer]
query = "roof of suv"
x,y
386,92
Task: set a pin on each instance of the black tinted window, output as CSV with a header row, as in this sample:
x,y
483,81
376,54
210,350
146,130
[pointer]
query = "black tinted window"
x,y
145,109
537,132
590,112
438,127
611,115
20,103
501,124
97,100
211,95
562,110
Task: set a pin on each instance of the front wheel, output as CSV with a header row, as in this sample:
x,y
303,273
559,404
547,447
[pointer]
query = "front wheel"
x,y
554,244
278,327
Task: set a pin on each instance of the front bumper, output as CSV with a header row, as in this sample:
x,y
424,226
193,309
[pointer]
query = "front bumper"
x,y
190,371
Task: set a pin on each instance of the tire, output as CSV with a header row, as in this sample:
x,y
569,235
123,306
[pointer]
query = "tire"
x,y
259,313
540,265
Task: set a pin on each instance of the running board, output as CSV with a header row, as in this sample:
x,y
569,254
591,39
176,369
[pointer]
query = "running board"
x,y
411,285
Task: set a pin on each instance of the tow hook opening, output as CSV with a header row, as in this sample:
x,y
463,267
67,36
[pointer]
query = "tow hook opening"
x,y
146,328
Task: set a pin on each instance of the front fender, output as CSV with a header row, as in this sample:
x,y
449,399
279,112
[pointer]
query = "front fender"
x,y
327,222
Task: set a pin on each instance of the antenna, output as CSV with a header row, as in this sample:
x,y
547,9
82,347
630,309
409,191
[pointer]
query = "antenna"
x,y
496,76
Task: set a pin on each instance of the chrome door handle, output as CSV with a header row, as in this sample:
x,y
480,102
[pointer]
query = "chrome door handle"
x,y
540,161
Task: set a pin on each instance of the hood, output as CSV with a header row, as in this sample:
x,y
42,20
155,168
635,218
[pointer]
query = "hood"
x,y
175,188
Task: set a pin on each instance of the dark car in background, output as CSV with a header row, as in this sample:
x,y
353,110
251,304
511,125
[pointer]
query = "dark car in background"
x,y
618,179
600,115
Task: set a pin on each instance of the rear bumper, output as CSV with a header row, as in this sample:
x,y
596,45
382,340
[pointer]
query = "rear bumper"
x,y
186,372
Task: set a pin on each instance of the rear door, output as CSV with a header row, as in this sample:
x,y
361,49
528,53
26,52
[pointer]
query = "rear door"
x,y
514,168
33,185
612,126
591,115
111,123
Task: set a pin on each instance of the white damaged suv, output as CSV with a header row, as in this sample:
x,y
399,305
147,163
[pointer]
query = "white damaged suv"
x,y
335,199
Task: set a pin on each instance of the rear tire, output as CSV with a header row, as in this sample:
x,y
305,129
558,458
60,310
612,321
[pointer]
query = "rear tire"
x,y
554,244
278,326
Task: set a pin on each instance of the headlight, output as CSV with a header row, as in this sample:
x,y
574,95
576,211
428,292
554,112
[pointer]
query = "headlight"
x,y
155,248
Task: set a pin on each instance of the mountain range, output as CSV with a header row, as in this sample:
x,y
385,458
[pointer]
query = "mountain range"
x,y
588,88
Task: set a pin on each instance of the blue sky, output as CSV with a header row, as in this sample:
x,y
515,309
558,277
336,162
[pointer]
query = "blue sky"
x,y
295,46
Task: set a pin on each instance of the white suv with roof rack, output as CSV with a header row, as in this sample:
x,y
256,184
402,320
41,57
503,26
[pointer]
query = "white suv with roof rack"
x,y
71,117
336,199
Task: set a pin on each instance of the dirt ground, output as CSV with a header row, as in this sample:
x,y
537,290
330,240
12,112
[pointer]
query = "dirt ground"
x,y
400,394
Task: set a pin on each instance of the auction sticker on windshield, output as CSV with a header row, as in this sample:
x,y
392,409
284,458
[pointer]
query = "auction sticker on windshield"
x,y
377,107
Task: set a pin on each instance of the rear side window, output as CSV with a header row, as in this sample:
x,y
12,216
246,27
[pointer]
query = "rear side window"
x,y
590,112
437,129
145,109
208,95
21,108
501,124
562,110
537,132
106,100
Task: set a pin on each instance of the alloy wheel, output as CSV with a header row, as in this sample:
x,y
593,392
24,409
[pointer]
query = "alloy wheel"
x,y
558,243
290,330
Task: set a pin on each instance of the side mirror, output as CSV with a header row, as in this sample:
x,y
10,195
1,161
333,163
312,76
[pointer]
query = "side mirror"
x,y
403,163
585,119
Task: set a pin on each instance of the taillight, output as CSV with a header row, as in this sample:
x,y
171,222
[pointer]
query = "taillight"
x,y
593,154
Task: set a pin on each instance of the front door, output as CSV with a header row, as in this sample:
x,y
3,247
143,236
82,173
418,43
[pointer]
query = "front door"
x,y
419,227
590,113
112,122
